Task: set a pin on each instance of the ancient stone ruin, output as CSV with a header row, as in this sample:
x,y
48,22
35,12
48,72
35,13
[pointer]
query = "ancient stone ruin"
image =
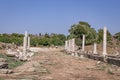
x,y
26,53
92,54
70,45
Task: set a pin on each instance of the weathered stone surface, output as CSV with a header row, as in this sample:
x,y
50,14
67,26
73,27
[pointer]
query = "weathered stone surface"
x,y
7,46
11,53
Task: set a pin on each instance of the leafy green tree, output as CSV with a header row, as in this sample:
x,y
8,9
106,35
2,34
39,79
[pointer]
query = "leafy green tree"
x,y
17,40
17,35
77,31
45,42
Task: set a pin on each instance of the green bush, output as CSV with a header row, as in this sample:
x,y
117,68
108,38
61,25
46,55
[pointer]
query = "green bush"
x,y
44,40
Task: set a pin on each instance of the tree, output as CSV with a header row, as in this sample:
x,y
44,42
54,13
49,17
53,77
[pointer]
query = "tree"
x,y
57,39
16,35
77,31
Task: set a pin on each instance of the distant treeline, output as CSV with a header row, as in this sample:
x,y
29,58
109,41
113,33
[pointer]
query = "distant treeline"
x,y
35,40
76,31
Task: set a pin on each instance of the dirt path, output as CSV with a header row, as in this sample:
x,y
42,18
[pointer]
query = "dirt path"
x,y
56,65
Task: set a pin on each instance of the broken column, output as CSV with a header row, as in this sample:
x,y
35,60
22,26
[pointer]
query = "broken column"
x,y
73,44
69,46
95,49
28,47
83,43
104,41
25,42
66,45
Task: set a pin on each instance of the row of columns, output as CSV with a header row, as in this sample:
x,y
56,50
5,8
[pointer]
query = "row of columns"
x,y
70,44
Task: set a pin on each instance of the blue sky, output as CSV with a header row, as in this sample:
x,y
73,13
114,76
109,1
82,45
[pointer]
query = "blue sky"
x,y
56,16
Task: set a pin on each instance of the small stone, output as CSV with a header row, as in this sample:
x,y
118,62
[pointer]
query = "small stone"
x,y
98,62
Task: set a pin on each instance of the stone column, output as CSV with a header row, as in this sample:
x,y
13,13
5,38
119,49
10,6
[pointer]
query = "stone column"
x,y
95,49
73,44
104,41
28,46
83,43
69,45
25,43
66,45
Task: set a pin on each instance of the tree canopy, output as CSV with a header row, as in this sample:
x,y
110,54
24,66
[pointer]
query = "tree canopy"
x,y
77,31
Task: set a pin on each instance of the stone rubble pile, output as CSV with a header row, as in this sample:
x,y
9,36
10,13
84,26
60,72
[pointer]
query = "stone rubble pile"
x,y
25,54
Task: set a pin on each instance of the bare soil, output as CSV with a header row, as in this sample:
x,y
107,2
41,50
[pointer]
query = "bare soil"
x,y
53,64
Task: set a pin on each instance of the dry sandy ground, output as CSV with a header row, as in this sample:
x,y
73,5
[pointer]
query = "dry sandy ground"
x,y
52,64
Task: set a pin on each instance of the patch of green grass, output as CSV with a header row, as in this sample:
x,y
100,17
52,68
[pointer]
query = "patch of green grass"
x,y
2,79
12,63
